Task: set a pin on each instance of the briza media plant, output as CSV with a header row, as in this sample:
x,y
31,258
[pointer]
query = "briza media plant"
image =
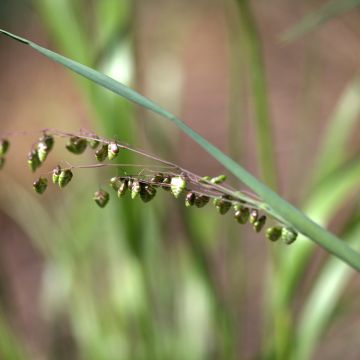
x,y
194,190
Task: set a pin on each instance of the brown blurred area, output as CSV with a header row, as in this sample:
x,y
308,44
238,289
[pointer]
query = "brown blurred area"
x,y
188,40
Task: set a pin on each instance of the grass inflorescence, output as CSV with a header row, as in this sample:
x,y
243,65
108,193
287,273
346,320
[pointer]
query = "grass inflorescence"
x,y
194,190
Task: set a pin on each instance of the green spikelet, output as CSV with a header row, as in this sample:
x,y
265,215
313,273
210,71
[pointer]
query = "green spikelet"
x,y
135,188
94,142
254,214
76,145
259,223
65,177
4,146
147,192
274,233
42,150
40,185
115,182
113,150
101,197
190,199
157,179
48,140
33,160
241,214
218,179
201,200
288,235
56,175
2,162
122,188
166,183
205,179
178,186
222,204
101,153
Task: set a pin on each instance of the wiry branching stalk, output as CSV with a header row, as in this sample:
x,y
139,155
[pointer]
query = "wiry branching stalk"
x,y
198,190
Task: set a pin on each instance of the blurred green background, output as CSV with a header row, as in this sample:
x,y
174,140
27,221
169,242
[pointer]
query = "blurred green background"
x,y
159,281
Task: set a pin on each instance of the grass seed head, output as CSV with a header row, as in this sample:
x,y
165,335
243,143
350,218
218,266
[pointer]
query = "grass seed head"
x,y
56,174
242,214
178,186
65,177
274,233
218,179
201,200
259,223
93,143
113,150
101,153
40,185
33,160
190,199
76,145
122,188
288,235
254,214
101,197
135,188
4,146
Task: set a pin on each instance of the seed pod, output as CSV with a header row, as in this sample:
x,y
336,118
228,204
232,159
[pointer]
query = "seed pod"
x,y
157,179
241,214
222,204
101,153
101,197
259,223
115,182
218,179
166,183
190,199
2,162
76,145
205,179
56,175
33,160
94,142
122,188
48,140
147,192
178,186
274,233
42,150
254,214
65,177
4,146
201,200
113,150
288,235
40,185
135,188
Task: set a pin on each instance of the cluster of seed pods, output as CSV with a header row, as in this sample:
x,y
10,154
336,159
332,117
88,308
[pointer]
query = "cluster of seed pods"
x,y
195,193
178,186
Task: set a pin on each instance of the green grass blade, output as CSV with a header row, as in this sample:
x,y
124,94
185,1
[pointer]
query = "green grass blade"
x,y
278,205
321,206
314,20
252,42
333,151
322,301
